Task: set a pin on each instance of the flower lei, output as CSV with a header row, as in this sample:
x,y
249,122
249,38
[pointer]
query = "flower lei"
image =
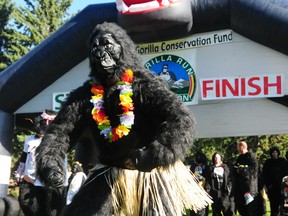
x,y
126,118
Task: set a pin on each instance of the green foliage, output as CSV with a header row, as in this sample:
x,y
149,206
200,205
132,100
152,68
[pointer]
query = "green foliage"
x,y
30,25
6,9
13,190
260,145
70,158
39,19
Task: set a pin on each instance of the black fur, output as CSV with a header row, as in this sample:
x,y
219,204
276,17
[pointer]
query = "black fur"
x,y
162,132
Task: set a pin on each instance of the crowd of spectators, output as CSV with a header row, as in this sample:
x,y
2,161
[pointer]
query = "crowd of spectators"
x,y
241,186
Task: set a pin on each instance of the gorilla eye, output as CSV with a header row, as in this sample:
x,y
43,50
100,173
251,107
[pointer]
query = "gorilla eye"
x,y
96,42
94,48
109,47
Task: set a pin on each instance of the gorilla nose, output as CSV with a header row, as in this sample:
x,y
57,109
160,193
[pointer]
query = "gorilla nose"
x,y
102,54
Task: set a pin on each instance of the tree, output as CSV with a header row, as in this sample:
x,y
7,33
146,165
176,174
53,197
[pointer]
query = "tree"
x,y
6,9
33,23
260,145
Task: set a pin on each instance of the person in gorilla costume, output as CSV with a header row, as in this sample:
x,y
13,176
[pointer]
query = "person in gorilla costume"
x,y
142,132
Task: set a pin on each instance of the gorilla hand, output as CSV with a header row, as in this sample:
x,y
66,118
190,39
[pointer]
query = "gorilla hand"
x,y
153,156
142,160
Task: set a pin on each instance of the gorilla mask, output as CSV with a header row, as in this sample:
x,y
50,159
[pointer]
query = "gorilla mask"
x,y
105,53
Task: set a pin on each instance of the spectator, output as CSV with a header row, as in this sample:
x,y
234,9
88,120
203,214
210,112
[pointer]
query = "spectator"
x,y
274,169
286,156
246,181
34,198
75,181
262,196
201,170
220,182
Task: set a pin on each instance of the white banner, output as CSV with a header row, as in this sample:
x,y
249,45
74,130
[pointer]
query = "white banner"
x,y
195,41
58,99
5,169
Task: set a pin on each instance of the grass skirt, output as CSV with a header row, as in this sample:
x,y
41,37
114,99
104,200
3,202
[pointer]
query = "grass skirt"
x,y
134,192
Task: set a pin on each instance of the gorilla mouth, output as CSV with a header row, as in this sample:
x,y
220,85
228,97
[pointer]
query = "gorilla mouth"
x,y
108,63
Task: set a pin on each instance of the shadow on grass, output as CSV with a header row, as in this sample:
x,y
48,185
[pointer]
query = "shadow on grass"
x,y
237,214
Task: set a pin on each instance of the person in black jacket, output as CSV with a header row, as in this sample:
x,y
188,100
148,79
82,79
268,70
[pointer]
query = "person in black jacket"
x,y
220,182
246,181
274,169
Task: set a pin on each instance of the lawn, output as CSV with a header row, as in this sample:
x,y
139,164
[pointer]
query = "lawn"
x,y
267,210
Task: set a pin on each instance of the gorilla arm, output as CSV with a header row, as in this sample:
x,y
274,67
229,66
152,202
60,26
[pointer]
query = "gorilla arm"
x,y
61,135
169,123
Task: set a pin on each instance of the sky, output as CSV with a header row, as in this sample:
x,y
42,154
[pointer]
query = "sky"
x,y
81,4
76,5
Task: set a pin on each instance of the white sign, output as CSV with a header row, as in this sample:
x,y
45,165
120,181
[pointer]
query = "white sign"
x,y
171,46
58,99
242,87
175,61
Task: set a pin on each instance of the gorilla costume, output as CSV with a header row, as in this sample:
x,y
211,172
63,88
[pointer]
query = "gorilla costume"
x,y
140,128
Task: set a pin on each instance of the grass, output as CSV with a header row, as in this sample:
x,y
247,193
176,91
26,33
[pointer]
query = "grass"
x,y
14,191
237,214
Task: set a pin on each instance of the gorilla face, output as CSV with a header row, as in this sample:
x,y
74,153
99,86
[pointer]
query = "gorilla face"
x,y
105,52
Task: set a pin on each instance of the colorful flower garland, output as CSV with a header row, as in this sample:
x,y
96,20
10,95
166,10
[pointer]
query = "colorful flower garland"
x,y
126,118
